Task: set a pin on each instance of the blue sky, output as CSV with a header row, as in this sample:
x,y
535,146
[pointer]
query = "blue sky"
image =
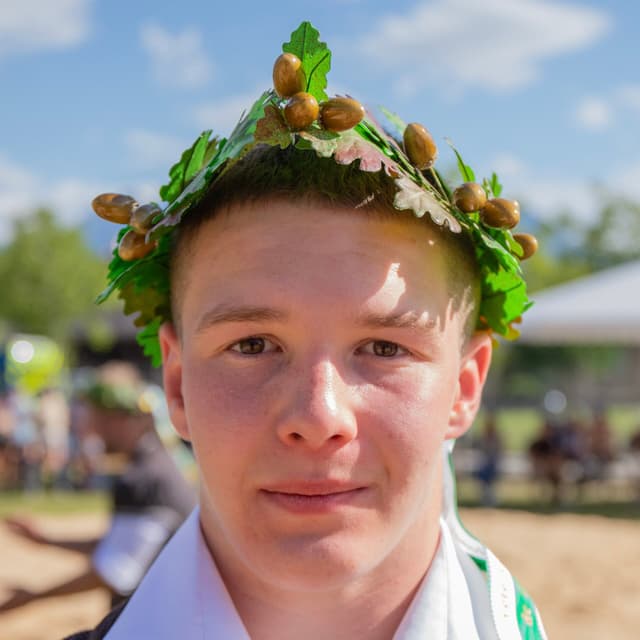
x,y
103,95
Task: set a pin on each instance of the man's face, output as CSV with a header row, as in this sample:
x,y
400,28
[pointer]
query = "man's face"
x,y
318,371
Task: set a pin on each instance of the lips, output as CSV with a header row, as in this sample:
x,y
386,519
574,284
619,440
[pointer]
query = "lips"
x,y
312,487
313,497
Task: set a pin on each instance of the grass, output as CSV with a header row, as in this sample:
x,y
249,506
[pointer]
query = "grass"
x,y
527,495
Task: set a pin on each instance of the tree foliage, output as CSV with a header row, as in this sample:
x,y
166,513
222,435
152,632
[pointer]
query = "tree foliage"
x,y
570,248
50,277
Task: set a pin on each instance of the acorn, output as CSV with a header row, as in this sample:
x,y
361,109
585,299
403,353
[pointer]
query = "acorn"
x,y
114,207
142,217
340,114
419,145
469,197
288,75
133,246
528,243
500,213
301,110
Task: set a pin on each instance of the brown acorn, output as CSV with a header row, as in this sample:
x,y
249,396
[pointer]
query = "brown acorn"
x,y
133,246
528,243
114,207
142,217
419,145
340,114
301,110
288,76
469,197
500,213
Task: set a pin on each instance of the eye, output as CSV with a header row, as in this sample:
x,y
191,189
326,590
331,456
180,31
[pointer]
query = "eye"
x,y
253,345
384,348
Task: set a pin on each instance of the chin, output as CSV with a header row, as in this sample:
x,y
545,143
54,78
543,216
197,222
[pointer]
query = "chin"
x,y
314,564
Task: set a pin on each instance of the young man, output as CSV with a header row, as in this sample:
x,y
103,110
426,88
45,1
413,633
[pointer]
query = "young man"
x,y
322,344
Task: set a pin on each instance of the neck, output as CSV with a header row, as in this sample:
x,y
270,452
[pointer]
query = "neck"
x,y
368,608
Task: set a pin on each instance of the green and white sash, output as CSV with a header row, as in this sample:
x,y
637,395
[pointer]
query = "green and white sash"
x,y
514,614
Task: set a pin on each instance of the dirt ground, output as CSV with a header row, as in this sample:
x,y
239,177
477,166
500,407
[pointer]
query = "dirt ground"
x,y
581,570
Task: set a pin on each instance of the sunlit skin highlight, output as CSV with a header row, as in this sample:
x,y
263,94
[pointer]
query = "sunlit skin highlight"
x,y
318,369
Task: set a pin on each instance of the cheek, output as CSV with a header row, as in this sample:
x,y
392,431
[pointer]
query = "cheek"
x,y
412,415
219,396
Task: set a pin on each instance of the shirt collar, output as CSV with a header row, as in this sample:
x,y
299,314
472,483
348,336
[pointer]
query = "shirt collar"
x,y
441,608
183,596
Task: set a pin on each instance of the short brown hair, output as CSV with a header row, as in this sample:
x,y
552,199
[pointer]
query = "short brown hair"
x,y
271,173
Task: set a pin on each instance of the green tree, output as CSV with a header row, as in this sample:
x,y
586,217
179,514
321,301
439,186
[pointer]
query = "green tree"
x,y
49,276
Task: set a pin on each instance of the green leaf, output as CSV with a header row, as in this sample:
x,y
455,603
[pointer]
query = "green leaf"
x,y
188,166
496,187
226,151
148,340
465,170
315,57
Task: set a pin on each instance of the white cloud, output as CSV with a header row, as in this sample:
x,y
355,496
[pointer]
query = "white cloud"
x,y
507,165
597,113
70,199
223,115
42,25
544,196
147,150
594,114
495,44
178,60
22,191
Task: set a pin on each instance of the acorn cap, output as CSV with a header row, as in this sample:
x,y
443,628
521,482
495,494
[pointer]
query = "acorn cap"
x,y
288,75
500,213
340,114
114,207
469,197
528,242
301,111
142,217
419,146
133,246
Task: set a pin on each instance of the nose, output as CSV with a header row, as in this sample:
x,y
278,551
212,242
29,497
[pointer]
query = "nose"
x,y
317,411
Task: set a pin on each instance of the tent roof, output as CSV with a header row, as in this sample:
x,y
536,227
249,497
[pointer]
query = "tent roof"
x,y
601,308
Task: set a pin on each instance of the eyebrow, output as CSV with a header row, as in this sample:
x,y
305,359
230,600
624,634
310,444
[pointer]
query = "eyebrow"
x,y
406,320
225,313
221,314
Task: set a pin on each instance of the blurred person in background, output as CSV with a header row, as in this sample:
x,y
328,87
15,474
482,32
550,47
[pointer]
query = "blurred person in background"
x,y
53,417
601,450
150,496
634,452
9,452
489,444
560,457
547,458
29,440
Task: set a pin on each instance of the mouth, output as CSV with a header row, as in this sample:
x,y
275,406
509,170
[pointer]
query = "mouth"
x,y
313,497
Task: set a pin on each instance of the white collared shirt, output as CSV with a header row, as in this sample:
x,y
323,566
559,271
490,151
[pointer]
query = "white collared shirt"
x,y
183,596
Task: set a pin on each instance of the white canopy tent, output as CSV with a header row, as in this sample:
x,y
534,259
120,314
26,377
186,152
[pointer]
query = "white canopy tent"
x,y
603,308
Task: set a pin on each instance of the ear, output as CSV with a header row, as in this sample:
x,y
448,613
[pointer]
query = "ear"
x,y
172,377
474,367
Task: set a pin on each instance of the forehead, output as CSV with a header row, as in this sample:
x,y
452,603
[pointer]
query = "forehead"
x,y
308,255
